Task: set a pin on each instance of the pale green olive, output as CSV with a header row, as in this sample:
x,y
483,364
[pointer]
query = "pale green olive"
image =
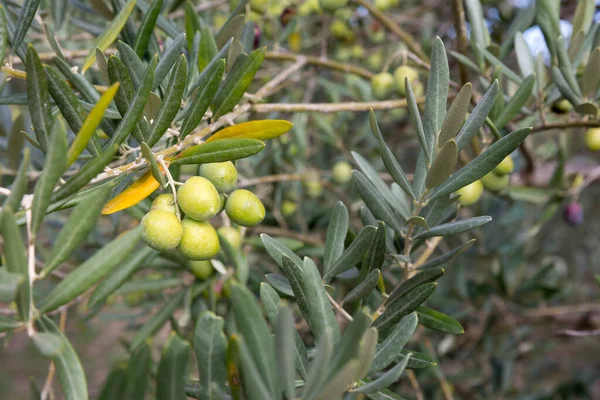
x,y
382,85
332,5
471,193
288,208
592,139
165,202
232,235
402,72
244,208
342,172
494,182
161,230
223,175
199,199
200,240
259,6
201,269
505,167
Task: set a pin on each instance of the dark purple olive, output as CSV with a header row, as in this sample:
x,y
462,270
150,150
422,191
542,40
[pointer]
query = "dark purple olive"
x,y
573,214
257,34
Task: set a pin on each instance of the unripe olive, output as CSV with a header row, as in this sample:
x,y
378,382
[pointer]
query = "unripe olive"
x,y
232,235
562,106
402,72
309,7
332,5
494,182
383,5
342,172
260,6
471,193
199,199
199,241
223,175
358,51
161,230
165,202
505,167
382,85
201,269
244,208
340,30
375,60
573,214
592,139
288,208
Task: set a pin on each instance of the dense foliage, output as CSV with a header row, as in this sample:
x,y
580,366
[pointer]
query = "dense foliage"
x,y
178,181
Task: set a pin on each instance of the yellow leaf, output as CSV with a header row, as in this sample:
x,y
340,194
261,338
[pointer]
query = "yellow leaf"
x,y
295,42
135,193
90,124
261,130
110,34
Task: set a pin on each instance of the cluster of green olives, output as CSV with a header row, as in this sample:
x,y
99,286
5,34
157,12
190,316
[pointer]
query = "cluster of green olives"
x,y
495,181
201,198
383,83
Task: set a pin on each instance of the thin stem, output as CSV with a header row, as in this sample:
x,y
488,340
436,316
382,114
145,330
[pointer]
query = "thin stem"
x,y
431,246
460,25
339,308
415,384
565,125
353,106
171,183
27,202
320,62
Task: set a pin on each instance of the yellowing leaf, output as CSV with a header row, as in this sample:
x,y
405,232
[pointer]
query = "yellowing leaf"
x,y
110,34
295,42
261,130
90,124
135,193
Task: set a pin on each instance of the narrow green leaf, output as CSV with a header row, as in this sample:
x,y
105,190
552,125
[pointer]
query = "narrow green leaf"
x,y
138,373
19,186
513,107
235,50
347,349
353,254
482,164
207,49
221,56
563,86
390,162
170,102
389,350
146,28
584,15
524,57
420,174
435,262
430,275
284,342
455,118
76,229
366,354
477,117
439,321
417,122
436,95
210,347
54,166
385,394
254,384
364,288
404,306
252,327
340,382
336,235
523,20
386,379
565,66
452,228
418,360
377,252
443,165
134,65
278,250
172,369
281,283
320,318
110,34
167,60
232,29
114,385
236,83
79,82
504,69
207,88
38,97
219,151
68,367
26,16
376,204
319,369
156,172
8,324
102,65
16,262
192,23
102,263
3,35
9,285
480,37
591,75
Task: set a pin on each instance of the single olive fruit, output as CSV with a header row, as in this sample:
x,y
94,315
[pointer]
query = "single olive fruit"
x,y
592,139
375,60
288,208
201,269
259,6
312,184
494,182
342,172
199,199
200,240
161,230
232,235
573,214
402,72
165,202
223,175
309,7
505,167
341,30
332,5
244,208
382,85
358,52
383,5
471,193
562,106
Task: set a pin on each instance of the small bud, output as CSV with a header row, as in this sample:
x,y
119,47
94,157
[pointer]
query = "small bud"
x,y
573,214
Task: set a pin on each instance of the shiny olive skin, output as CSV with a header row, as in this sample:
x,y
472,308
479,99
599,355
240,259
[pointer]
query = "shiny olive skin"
x,y
223,175
232,235
382,85
199,241
342,172
201,269
471,193
495,182
402,72
505,167
592,139
199,199
244,208
165,202
161,230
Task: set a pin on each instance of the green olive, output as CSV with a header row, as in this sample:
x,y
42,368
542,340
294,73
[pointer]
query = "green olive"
x,y
358,52
223,175
199,199
341,30
165,202
562,106
161,230
592,139
342,172
201,269
259,6
288,208
505,167
382,85
402,72
383,5
332,5
200,240
471,193
244,208
232,236
494,182
309,7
